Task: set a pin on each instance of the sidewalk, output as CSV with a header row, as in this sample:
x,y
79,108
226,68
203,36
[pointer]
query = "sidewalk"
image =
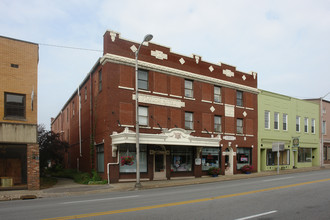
x,y
66,187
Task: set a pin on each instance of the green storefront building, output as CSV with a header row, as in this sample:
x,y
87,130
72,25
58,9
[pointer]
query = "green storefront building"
x,y
290,127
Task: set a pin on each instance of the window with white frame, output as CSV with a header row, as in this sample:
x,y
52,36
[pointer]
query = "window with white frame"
x,y
217,94
188,88
188,120
143,116
297,123
306,125
239,126
285,122
276,120
143,79
15,106
267,119
239,98
217,123
313,126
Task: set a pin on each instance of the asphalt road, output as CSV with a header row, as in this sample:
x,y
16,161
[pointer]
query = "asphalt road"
x,y
292,196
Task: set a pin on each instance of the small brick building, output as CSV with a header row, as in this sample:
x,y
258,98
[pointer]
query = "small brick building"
x,y
193,115
19,150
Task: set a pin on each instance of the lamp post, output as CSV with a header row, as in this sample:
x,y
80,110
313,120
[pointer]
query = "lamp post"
x,y
322,147
147,38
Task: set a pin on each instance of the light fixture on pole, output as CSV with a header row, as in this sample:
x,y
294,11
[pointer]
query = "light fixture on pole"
x,y
322,147
147,38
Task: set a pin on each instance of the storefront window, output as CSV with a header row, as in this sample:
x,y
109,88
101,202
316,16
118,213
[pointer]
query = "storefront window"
x,y
129,150
304,155
181,159
210,158
272,157
243,157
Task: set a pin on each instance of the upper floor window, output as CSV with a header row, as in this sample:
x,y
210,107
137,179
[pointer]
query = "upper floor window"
x,y
323,127
239,98
217,94
143,116
85,93
73,108
313,126
297,123
306,125
188,89
239,126
217,123
15,105
285,122
143,77
100,80
267,119
189,120
276,120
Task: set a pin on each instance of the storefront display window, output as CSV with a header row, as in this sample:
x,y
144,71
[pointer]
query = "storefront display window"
x,y
243,157
304,155
181,159
284,158
128,152
210,158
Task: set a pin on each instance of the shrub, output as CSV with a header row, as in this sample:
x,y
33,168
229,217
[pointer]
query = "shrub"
x,y
214,171
247,168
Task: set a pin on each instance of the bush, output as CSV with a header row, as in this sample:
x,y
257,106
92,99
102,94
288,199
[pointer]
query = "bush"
x,y
247,168
214,171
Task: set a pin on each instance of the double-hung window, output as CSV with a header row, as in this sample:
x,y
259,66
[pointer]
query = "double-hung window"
x,y
143,116
239,98
306,125
217,123
313,126
188,120
217,94
297,123
188,89
285,122
143,79
276,120
267,119
15,106
239,126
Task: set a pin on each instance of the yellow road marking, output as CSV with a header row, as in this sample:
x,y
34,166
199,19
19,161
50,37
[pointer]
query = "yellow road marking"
x,y
183,202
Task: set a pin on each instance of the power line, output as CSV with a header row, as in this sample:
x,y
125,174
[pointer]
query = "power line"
x,y
72,48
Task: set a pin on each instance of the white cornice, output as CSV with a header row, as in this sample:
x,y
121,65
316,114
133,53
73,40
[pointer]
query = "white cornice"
x,y
111,58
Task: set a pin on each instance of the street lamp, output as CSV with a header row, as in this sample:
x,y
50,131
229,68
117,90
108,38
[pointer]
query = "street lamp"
x,y
322,147
147,38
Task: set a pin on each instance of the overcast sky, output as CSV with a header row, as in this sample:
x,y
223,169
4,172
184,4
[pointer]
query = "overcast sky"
x,y
285,42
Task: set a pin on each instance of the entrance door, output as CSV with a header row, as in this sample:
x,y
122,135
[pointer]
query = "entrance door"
x,y
159,167
229,161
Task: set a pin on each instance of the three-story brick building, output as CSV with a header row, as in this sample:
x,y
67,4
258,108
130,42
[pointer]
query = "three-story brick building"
x,y
193,115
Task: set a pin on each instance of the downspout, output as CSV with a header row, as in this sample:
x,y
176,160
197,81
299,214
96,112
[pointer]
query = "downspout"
x,y
108,167
79,111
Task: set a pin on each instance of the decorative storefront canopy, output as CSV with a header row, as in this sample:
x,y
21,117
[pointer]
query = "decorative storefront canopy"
x,y
174,136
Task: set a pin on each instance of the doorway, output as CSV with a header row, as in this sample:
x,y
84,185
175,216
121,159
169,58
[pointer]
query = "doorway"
x,y
159,166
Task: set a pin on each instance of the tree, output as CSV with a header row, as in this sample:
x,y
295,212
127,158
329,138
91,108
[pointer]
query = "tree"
x,y
51,148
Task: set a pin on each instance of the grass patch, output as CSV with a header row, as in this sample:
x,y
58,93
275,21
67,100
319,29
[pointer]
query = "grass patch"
x,y
47,182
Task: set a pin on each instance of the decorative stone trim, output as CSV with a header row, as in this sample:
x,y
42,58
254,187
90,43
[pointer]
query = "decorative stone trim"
x,y
174,136
247,108
156,100
182,61
127,88
228,73
160,93
133,48
176,96
176,72
229,111
206,101
211,69
159,54
193,99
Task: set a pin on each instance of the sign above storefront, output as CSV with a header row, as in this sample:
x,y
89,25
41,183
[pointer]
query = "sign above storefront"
x,y
229,138
278,146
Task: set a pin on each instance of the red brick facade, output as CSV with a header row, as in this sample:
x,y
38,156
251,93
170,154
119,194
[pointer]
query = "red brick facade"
x,y
108,112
